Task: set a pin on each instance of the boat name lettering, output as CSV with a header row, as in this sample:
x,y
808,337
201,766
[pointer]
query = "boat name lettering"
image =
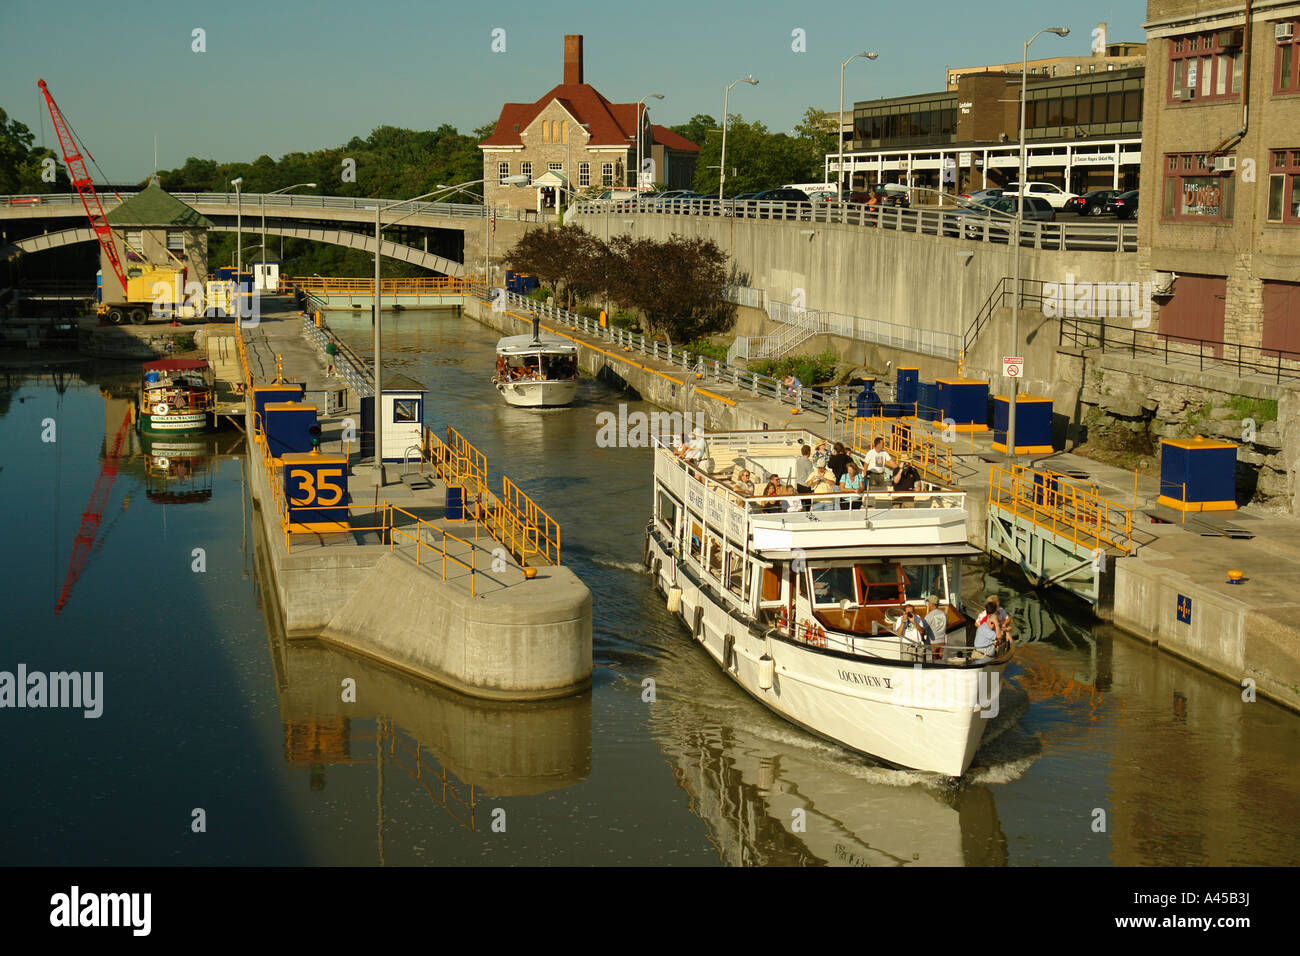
x,y
869,680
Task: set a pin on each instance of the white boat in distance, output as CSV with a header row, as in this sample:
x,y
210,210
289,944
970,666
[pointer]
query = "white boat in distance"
x,y
536,371
798,607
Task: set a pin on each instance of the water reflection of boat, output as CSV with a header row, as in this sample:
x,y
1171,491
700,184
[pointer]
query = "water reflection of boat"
x,y
453,745
178,470
773,796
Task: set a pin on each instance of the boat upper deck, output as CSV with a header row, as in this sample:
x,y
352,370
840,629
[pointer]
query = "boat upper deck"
x,y
930,520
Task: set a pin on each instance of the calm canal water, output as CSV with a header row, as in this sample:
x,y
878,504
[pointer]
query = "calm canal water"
x,y
206,707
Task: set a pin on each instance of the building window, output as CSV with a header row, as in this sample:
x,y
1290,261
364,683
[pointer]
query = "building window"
x,y
554,167
584,174
1287,73
607,174
175,241
564,131
526,170
1201,67
1284,186
406,409
1194,191
503,173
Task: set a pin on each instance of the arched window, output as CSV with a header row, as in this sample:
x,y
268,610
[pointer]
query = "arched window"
x,y
546,131
564,131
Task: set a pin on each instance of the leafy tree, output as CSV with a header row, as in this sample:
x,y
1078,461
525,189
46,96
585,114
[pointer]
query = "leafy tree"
x,y
675,286
568,260
21,165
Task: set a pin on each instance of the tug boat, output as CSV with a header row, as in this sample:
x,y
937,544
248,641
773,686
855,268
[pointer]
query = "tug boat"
x,y
176,396
536,371
799,607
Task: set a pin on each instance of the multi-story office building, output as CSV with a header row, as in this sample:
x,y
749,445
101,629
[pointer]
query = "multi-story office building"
x,y
1220,202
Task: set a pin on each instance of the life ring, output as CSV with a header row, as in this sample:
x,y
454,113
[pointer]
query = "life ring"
x,y
162,462
820,639
161,408
782,622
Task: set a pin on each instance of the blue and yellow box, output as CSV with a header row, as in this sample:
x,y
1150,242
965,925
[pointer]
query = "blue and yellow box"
x,y
966,402
927,401
1033,424
263,394
316,490
906,384
1198,474
288,427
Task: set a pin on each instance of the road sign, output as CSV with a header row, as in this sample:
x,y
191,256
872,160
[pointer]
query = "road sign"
x,y
1013,366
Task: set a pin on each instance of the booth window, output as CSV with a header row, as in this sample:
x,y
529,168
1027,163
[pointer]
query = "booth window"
x,y
406,410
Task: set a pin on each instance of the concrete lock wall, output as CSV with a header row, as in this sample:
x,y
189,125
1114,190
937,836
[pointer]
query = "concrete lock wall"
x,y
868,271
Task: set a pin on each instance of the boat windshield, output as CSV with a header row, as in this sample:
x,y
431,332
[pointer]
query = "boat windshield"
x,y
887,582
536,366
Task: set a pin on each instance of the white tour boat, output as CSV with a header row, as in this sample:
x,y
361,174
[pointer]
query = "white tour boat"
x,y
536,371
798,607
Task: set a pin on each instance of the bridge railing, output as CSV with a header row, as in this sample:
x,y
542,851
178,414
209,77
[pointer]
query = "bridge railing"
x,y
831,401
938,221
251,202
418,285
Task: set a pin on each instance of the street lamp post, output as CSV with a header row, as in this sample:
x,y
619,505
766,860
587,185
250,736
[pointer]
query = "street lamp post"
x,y
839,124
237,182
378,417
722,163
262,201
639,122
1015,255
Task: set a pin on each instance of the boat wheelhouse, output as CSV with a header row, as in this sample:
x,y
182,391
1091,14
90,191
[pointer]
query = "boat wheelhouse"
x,y
536,371
800,607
176,396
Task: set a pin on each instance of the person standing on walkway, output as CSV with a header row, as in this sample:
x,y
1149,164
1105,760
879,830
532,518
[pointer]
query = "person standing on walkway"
x,y
331,350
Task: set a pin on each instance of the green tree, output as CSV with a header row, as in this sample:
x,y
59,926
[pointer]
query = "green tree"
x,y
21,165
675,286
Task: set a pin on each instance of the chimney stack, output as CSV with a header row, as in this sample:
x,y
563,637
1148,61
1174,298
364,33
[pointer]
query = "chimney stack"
x,y
572,58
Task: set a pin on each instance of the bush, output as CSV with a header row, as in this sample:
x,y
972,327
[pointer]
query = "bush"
x,y
810,370
541,294
589,311
708,349
184,343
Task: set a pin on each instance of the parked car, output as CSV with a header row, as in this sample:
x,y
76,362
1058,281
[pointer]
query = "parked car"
x,y
995,217
1090,204
772,202
891,194
1053,193
1124,206
982,194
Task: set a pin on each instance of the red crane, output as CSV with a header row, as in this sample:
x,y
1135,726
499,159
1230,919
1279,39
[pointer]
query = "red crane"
x,y
93,514
85,187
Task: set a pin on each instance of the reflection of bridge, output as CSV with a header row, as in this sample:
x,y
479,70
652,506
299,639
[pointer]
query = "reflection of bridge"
x,y
458,229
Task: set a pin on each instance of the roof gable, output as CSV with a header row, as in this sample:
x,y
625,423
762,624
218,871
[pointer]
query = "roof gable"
x,y
154,207
612,124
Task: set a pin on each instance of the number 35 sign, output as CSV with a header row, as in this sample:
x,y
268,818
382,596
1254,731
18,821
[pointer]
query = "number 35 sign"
x,y
316,489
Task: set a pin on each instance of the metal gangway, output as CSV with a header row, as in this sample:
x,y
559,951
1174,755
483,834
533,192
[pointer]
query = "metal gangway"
x,y
1059,529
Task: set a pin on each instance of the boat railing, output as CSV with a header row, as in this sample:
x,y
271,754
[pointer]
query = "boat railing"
x,y
889,645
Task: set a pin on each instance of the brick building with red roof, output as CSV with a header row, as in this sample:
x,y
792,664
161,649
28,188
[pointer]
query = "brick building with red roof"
x,y
572,134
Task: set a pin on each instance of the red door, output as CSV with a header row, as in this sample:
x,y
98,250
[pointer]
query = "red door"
x,y
1282,318
1195,313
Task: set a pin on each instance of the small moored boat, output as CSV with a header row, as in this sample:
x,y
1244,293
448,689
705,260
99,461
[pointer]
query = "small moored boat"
x,y
536,371
802,608
176,396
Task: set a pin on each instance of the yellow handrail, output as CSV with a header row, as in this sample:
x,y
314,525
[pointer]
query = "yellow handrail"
x,y
932,458
1072,509
418,538
392,286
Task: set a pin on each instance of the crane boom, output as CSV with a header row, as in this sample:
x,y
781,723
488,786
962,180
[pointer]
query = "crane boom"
x,y
85,186
93,514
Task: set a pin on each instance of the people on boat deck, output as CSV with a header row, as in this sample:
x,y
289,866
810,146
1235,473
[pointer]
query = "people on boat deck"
x,y
697,449
791,504
915,632
803,469
905,475
822,456
937,619
852,482
822,485
993,607
839,460
991,627
744,483
880,465
771,490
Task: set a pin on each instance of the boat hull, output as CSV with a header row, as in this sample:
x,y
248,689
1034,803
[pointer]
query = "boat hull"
x,y
187,424
923,718
547,394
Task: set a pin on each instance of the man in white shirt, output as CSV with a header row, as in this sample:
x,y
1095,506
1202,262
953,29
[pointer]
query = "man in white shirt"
x,y
937,618
697,449
915,632
880,465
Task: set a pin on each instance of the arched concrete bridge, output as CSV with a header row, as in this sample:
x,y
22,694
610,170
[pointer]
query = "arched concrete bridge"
x,y
303,217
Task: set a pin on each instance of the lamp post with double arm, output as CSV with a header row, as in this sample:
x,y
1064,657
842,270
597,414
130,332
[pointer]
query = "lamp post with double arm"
x,y
722,162
839,124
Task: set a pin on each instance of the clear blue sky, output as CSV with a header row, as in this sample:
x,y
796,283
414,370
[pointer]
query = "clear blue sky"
x,y
283,75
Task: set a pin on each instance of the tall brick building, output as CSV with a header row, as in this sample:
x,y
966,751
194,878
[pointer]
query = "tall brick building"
x,y
1220,193
546,140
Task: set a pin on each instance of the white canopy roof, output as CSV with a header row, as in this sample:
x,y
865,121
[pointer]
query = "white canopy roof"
x,y
524,345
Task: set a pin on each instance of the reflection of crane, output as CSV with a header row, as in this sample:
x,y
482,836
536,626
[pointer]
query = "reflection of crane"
x,y
85,186
94,512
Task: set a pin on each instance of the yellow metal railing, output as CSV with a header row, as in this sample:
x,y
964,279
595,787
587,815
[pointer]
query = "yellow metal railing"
x,y
534,531
421,526
933,458
1069,508
394,286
